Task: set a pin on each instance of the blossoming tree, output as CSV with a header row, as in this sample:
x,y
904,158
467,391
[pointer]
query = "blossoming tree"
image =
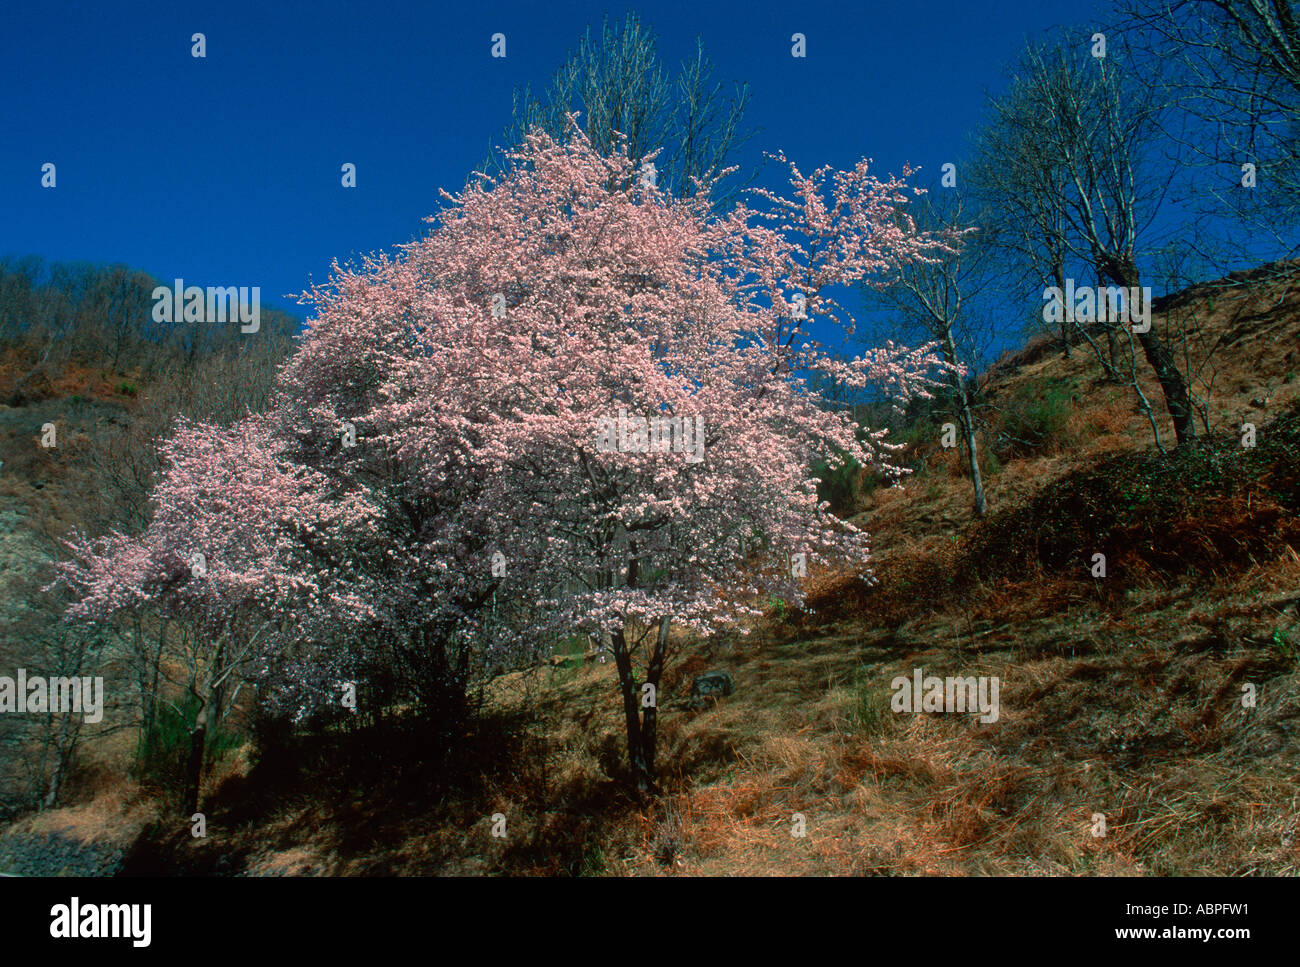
x,y
588,394
246,549
577,405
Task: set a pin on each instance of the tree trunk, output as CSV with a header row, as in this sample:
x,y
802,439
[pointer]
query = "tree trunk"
x,y
153,685
52,790
650,716
627,684
967,424
972,457
1058,276
64,745
199,733
1172,383
194,765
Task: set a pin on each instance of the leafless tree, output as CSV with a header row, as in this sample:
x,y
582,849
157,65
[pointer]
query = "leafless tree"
x,y
619,87
936,297
1100,122
1233,67
1019,182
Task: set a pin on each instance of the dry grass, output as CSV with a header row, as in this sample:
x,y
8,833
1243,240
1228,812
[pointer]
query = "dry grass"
x,y
113,812
1131,717
1121,698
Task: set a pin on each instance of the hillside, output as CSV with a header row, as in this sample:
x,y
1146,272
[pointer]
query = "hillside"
x,y
1120,695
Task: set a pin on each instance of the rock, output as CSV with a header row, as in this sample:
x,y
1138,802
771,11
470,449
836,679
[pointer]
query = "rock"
x,y
713,683
51,854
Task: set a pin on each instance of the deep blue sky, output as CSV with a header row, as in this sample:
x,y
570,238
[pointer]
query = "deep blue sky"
x,y
226,170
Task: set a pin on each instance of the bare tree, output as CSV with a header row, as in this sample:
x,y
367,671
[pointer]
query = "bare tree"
x,y
936,295
1101,122
1233,67
126,301
617,85
1018,182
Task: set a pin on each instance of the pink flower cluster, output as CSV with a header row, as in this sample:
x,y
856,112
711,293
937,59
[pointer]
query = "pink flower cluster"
x,y
476,431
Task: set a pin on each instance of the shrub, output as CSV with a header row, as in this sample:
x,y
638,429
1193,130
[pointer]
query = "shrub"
x,y
163,751
1033,418
844,486
1282,642
870,708
1199,509
573,650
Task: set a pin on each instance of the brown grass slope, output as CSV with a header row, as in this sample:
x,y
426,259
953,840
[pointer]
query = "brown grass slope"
x,y
1120,696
